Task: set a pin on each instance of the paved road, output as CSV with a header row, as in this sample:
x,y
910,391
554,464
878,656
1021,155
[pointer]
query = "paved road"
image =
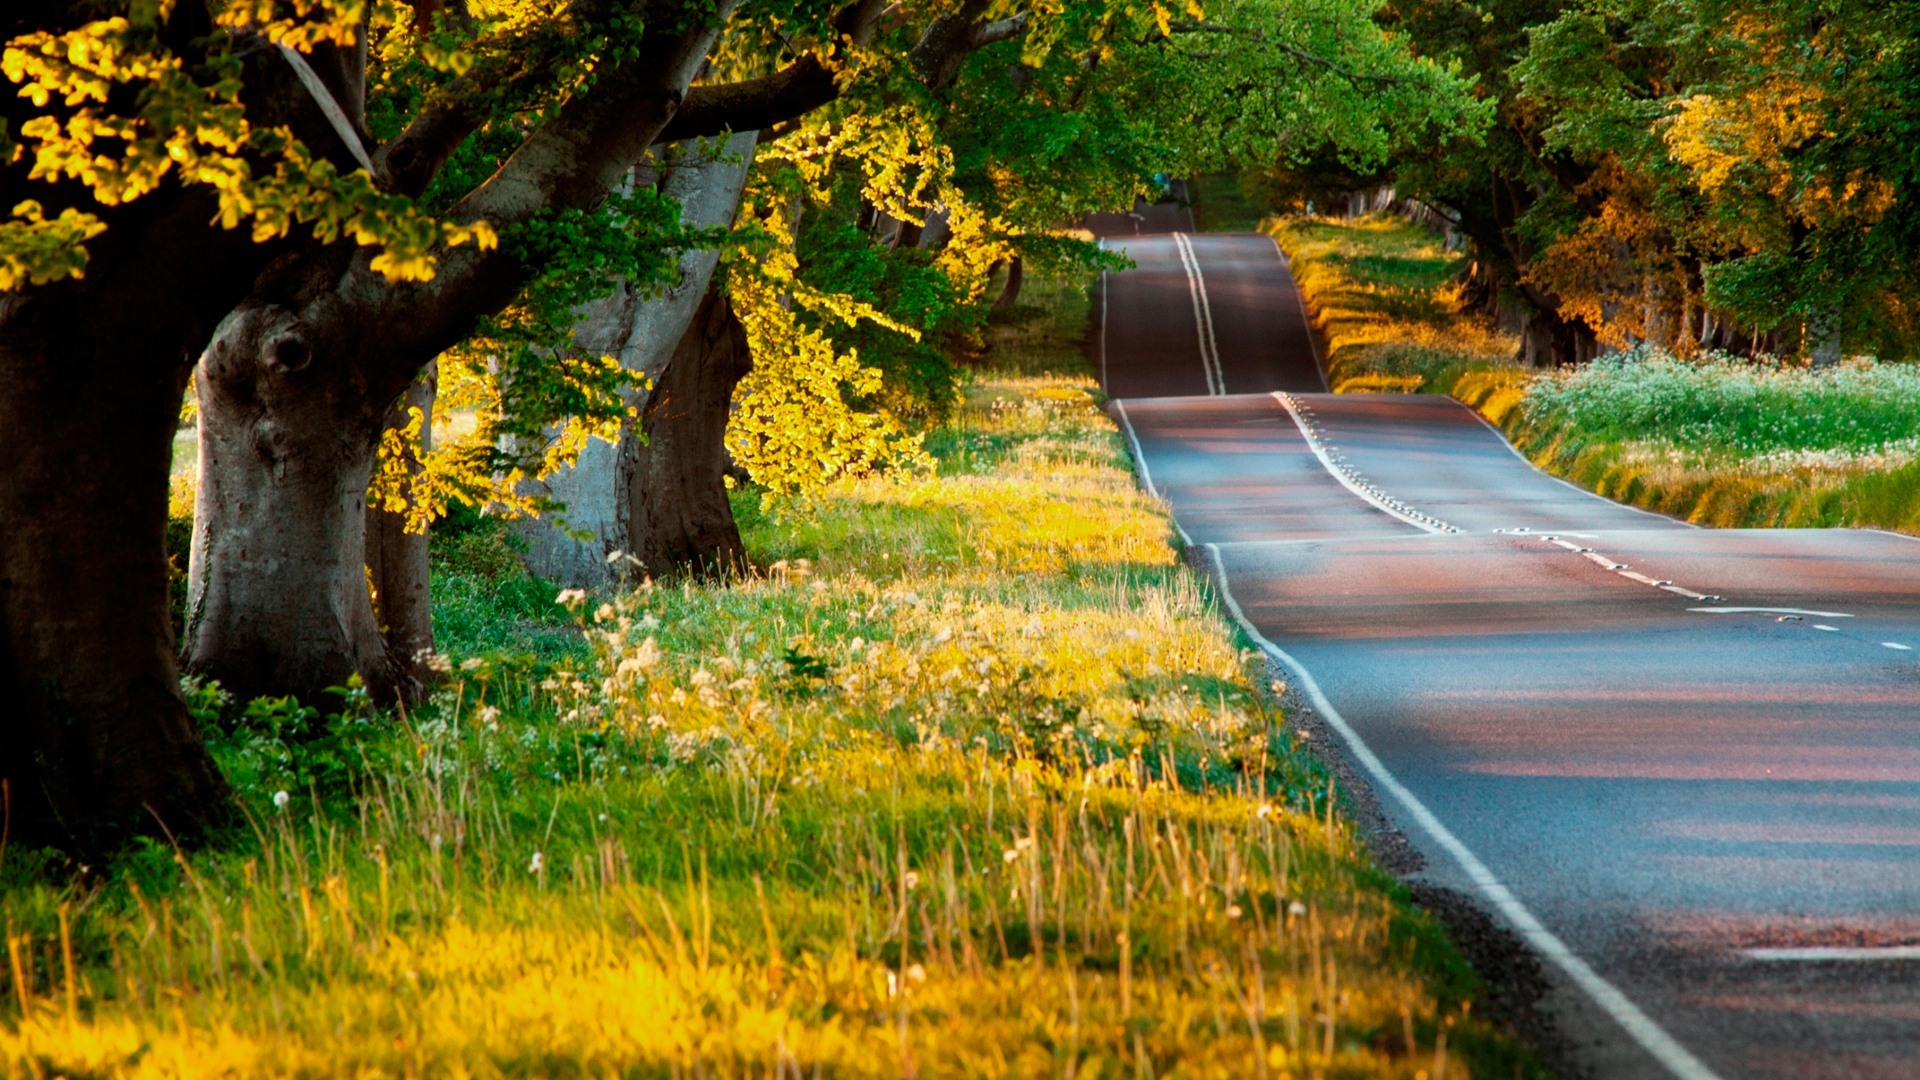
x,y
1650,748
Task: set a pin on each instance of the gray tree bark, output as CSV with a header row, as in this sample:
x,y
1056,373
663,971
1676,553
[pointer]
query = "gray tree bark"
x,y
296,386
644,333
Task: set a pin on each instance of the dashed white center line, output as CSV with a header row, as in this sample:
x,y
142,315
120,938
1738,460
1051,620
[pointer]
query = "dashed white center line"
x,y
1621,568
1897,645
1818,953
1832,629
1771,611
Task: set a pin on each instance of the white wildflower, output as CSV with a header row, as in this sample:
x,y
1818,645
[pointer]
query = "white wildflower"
x,y
281,799
473,664
537,864
570,597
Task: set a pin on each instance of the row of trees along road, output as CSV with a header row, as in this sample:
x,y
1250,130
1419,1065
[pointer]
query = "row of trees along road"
x,y
336,210
1686,173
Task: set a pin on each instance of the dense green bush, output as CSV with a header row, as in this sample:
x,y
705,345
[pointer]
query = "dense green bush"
x,y
1721,404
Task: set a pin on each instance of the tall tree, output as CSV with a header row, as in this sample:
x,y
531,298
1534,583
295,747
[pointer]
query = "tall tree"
x,y
116,270
152,140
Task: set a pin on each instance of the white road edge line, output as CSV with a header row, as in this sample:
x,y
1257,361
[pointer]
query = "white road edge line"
x,y
1372,499
1817,953
1515,451
1146,474
1650,1035
1202,316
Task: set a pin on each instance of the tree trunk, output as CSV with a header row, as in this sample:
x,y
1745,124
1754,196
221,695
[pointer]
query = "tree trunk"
x,y
97,741
1010,292
939,228
644,334
679,518
908,235
277,599
296,387
397,568
98,736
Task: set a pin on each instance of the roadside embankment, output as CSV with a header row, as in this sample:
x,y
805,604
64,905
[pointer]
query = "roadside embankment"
x,y
1713,440
972,779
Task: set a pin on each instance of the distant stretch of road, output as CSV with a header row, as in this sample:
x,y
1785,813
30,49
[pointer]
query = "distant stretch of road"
x,y
1683,764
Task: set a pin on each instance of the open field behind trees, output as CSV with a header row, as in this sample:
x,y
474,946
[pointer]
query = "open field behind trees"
x,y
974,780
1710,438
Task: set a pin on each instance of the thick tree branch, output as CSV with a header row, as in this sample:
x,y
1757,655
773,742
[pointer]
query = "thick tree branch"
x,y
988,33
754,104
807,84
410,160
571,163
935,59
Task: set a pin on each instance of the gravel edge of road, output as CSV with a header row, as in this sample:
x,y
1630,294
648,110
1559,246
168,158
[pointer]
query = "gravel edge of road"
x,y
1518,987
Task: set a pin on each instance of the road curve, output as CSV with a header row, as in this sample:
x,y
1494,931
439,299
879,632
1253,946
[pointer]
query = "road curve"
x,y
1683,763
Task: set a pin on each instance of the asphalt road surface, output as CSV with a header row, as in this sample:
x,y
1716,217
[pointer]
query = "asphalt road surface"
x,y
1683,764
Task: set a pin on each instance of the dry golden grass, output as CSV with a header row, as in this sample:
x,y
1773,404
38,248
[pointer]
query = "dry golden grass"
x,y
974,781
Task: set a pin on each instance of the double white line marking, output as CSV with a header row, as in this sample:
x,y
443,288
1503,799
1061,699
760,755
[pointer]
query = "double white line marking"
x,y
1202,315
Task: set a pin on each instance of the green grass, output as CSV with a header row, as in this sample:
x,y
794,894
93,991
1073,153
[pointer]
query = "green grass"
x,y
1045,332
484,601
1712,440
1382,293
972,779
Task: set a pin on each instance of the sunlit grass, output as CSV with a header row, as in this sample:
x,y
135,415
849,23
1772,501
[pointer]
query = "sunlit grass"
x,y
1382,290
971,780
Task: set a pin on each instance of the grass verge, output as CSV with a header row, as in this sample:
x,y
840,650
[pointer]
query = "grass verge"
x,y
1715,441
973,781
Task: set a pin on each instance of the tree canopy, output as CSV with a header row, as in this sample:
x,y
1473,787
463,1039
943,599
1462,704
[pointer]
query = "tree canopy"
x,y
1688,172
316,199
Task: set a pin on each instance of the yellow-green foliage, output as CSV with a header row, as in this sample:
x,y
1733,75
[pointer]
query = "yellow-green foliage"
x,y
973,781
1380,290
